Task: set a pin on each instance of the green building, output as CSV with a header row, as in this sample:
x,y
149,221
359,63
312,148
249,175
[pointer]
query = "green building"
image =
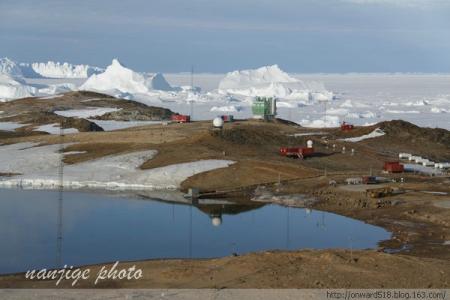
x,y
264,108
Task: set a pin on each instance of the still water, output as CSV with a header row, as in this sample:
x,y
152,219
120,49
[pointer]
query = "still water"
x,y
88,228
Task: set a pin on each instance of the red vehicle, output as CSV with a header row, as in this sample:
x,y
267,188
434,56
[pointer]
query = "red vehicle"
x,y
227,118
393,167
346,126
297,152
369,180
180,118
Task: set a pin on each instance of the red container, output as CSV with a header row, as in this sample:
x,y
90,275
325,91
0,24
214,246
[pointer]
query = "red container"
x,y
346,126
300,152
393,167
369,180
180,118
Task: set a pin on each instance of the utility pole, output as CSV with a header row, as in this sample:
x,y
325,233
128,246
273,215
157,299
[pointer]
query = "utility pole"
x,y
191,102
60,197
192,78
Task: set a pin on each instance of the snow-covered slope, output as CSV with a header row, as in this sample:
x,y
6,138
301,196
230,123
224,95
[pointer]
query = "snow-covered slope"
x,y
270,81
38,166
376,133
119,78
57,70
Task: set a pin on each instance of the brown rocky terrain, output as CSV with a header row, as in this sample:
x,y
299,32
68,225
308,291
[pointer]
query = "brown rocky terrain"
x,y
417,255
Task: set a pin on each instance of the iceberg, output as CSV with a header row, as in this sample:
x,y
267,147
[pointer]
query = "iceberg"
x,y
271,81
13,88
57,70
10,68
118,79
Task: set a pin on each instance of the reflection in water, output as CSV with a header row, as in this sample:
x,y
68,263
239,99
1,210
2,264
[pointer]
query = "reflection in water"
x,y
100,228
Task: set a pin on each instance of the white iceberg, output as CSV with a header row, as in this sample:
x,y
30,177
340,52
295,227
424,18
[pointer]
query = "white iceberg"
x,y
59,88
230,108
10,68
118,79
57,70
324,122
13,88
271,81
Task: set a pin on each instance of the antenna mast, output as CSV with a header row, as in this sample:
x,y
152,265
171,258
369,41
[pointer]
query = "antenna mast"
x,y
60,196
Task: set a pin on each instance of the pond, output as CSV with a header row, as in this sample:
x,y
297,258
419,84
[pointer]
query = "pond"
x,y
38,230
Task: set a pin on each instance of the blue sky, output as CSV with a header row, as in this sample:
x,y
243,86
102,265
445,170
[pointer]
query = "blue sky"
x,y
217,36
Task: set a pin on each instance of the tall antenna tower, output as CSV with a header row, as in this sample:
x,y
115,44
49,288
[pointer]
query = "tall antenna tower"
x,y
60,197
191,102
192,77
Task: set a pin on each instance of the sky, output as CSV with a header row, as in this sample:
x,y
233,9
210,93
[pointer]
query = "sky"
x,y
304,36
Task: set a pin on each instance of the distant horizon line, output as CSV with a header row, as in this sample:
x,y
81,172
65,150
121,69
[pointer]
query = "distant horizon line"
x,y
323,73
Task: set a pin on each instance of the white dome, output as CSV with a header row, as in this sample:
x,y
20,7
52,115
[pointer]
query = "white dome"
x,y
218,122
216,221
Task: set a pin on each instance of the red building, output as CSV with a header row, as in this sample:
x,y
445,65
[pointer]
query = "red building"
x,y
346,126
300,152
180,118
393,167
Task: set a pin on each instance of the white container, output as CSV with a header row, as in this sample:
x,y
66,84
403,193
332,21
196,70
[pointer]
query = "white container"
x,y
404,155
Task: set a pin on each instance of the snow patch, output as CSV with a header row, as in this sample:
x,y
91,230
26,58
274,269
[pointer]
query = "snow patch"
x,y
110,125
55,129
86,113
39,169
376,133
10,126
